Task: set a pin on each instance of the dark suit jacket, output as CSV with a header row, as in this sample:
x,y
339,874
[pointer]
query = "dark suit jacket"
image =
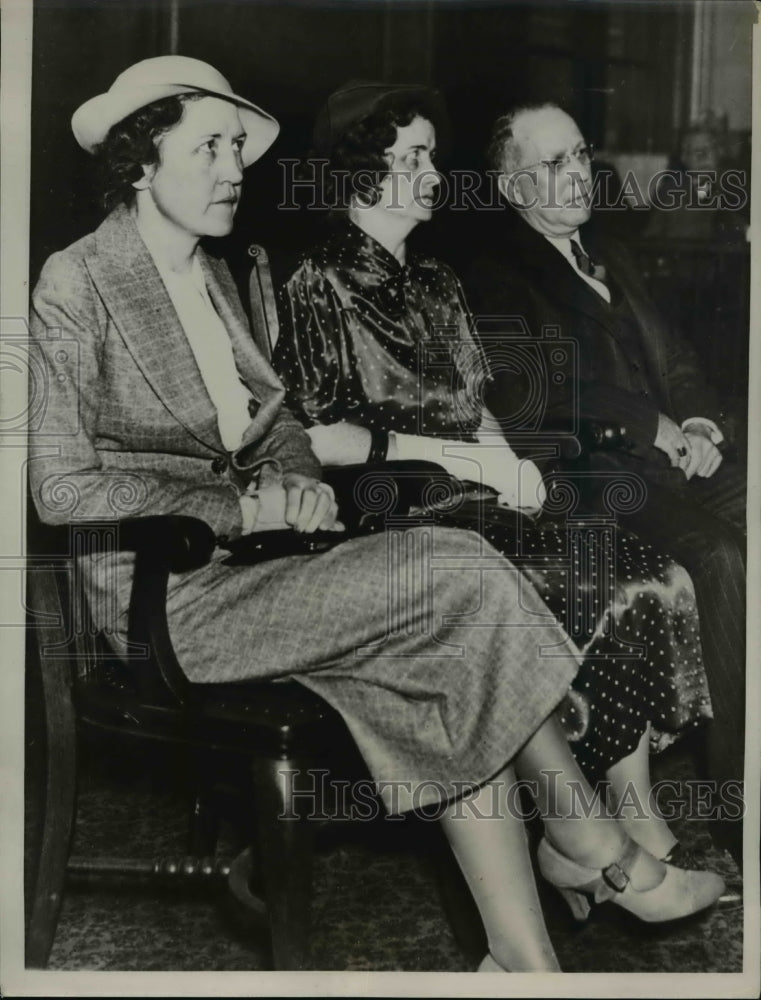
x,y
525,278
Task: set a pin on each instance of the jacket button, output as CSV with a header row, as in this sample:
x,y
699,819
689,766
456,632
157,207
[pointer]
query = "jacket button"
x,y
253,407
219,465
644,392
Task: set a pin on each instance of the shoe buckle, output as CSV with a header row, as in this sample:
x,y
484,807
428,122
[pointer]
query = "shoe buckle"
x,y
615,877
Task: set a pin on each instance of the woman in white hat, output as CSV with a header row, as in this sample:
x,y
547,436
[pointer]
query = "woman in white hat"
x,y
157,401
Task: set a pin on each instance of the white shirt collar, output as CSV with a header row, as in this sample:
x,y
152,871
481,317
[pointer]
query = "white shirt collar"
x,y
563,245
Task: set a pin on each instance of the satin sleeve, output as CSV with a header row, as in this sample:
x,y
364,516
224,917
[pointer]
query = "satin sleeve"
x,y
312,354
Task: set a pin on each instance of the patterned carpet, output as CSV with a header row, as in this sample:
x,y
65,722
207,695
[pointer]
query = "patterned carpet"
x,y
377,904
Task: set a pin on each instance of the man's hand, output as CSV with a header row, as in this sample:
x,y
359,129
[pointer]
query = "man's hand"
x,y
672,440
705,457
310,504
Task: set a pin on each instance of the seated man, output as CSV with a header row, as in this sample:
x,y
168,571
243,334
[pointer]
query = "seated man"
x,y
632,370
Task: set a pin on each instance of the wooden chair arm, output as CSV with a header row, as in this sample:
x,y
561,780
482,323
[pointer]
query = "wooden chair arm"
x,y
590,436
179,541
367,493
162,544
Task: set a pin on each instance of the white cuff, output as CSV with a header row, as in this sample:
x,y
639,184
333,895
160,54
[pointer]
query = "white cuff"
x,y
716,436
249,508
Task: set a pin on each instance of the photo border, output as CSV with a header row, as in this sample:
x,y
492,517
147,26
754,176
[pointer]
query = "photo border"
x,y
15,96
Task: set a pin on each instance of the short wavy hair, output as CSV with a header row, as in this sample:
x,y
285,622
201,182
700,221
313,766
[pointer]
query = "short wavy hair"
x,y
132,144
357,164
503,154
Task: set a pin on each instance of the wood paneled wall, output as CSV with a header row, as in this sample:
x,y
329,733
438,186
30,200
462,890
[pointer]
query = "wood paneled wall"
x,y
619,67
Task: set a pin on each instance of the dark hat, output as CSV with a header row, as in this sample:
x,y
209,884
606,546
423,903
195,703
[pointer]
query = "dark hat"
x,y
357,99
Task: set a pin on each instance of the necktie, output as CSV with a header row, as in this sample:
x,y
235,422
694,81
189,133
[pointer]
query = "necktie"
x,y
585,263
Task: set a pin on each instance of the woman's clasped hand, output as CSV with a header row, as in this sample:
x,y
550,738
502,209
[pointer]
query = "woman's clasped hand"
x,y
300,503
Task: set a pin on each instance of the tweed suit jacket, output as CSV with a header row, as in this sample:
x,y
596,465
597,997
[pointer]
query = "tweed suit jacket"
x,y
123,423
127,426
526,278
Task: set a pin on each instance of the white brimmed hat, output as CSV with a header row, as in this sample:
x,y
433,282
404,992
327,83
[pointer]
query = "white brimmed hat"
x,y
167,76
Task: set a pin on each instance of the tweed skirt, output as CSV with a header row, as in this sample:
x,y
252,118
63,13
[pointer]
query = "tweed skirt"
x,y
439,655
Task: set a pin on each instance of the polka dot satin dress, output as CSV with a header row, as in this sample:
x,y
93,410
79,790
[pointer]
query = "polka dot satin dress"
x,y
367,340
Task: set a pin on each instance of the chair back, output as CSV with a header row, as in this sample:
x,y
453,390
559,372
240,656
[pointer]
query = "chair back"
x,y
261,293
58,614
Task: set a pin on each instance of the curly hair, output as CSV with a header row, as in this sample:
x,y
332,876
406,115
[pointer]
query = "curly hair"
x,y
358,162
132,144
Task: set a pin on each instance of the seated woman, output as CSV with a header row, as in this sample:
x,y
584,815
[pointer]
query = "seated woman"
x,y
375,340
161,403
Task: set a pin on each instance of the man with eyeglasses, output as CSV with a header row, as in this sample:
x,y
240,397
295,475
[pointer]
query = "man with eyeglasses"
x,y
549,271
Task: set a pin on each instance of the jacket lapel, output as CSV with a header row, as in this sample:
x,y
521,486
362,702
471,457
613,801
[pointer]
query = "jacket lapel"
x,y
650,324
140,307
648,319
551,271
548,270
253,368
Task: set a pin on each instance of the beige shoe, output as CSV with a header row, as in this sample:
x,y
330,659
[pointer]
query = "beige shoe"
x,y
679,894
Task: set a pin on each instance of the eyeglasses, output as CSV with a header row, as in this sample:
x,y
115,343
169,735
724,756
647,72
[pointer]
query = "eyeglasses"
x,y
584,154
